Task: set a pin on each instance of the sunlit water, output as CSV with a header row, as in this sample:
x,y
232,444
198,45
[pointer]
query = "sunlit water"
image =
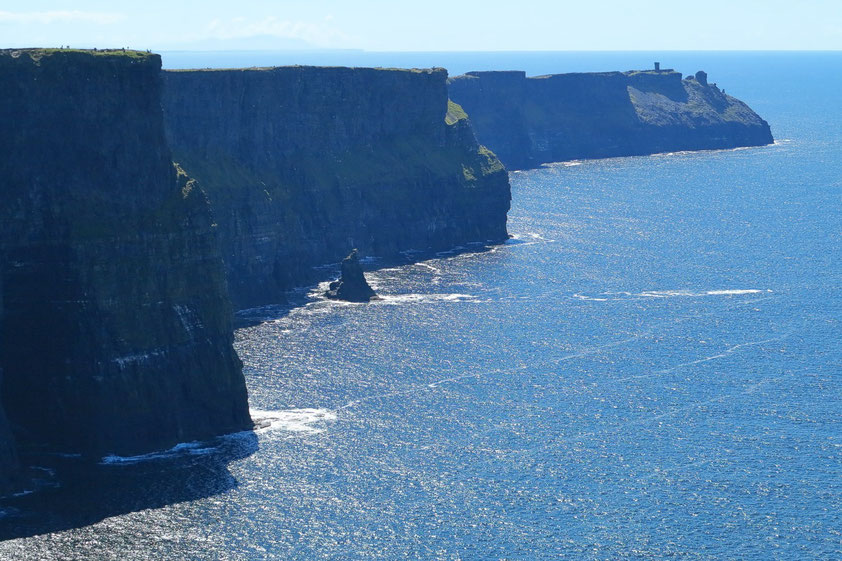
x,y
649,369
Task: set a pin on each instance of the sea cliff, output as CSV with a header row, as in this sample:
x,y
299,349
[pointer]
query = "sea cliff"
x,y
535,120
116,328
117,264
8,453
303,164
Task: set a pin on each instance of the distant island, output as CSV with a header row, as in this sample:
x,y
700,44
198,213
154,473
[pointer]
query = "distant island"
x,y
139,204
560,117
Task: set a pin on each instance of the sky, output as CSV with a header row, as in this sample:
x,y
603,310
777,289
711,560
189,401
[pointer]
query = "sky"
x,y
428,25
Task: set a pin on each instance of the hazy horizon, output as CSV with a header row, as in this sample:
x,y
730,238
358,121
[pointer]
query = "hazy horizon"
x,y
434,26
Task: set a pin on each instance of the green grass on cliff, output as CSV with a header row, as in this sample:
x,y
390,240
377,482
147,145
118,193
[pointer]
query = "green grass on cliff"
x,y
490,163
38,54
390,171
306,67
455,113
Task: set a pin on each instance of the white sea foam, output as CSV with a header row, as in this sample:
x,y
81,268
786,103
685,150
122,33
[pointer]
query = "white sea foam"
x,y
397,299
589,298
435,270
527,238
539,237
184,449
567,164
303,421
702,152
734,292
670,294
720,292
665,293
306,421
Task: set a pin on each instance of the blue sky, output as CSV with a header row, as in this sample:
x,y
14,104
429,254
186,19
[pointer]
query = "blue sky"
x,y
429,25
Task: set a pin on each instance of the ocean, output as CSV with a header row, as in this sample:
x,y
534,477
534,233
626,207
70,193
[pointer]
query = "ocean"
x,y
650,368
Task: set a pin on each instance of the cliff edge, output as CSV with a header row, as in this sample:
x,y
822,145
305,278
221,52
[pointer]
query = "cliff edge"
x,y
301,163
530,121
116,329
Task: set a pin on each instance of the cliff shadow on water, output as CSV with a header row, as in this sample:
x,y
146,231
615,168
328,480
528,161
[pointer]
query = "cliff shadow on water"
x,y
62,493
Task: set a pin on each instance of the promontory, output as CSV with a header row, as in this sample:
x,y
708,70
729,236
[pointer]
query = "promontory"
x,y
560,117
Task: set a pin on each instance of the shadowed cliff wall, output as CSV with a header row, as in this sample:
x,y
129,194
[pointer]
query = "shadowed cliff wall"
x,y
8,454
529,121
116,331
303,164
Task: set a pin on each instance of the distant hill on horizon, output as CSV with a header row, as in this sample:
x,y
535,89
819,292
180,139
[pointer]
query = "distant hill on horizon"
x,y
253,43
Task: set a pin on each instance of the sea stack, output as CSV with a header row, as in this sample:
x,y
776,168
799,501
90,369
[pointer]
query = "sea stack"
x,y
351,286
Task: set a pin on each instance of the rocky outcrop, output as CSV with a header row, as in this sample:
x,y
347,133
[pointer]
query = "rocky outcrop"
x,y
351,286
117,329
530,121
301,163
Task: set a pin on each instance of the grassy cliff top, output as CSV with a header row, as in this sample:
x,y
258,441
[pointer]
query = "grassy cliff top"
x,y
308,68
662,72
37,53
519,74
118,57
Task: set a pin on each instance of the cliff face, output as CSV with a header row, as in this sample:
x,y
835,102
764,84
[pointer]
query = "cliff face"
x,y
116,331
8,454
302,164
529,121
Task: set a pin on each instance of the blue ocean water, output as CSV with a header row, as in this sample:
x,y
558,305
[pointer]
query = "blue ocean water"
x,y
650,368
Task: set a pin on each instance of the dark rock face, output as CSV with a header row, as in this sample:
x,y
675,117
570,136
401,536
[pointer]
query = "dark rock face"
x,y
530,121
8,454
301,163
117,330
351,285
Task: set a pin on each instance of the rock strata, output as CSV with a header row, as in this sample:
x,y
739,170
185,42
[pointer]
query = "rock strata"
x,y
530,121
351,286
